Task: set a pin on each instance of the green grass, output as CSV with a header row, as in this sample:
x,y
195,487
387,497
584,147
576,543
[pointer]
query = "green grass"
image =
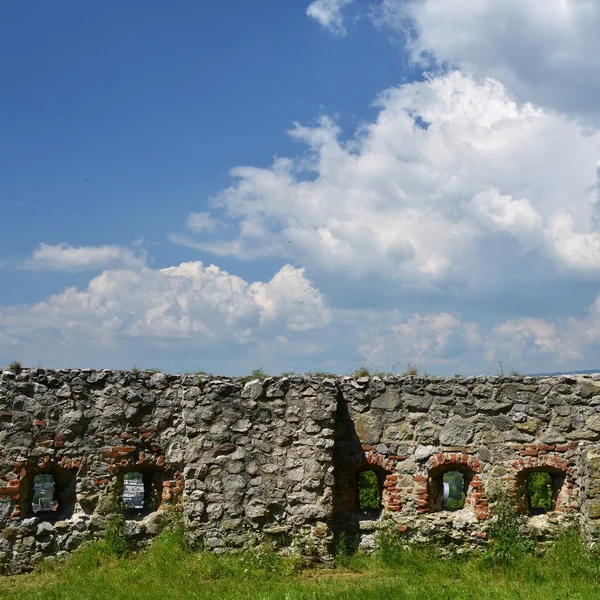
x,y
169,570
256,374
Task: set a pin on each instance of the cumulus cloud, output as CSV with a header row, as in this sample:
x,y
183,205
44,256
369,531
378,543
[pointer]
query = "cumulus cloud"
x,y
329,14
546,52
190,301
63,257
451,169
457,197
528,337
393,341
444,343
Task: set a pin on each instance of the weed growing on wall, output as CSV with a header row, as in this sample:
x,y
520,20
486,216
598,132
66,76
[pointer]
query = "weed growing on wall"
x,y
256,374
342,549
390,549
362,372
318,374
506,543
115,538
411,370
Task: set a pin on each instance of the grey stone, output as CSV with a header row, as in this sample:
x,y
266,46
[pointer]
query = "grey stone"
x,y
390,400
44,529
593,422
488,407
457,432
423,452
589,389
253,390
502,422
417,403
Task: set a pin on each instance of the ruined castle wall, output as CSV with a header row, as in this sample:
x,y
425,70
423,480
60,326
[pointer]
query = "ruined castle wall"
x,y
278,459
245,462
494,430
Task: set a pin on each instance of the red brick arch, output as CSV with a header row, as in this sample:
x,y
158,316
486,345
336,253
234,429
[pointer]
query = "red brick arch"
x,y
347,478
566,498
453,461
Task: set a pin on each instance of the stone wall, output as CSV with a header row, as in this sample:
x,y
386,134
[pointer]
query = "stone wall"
x,y
278,459
495,431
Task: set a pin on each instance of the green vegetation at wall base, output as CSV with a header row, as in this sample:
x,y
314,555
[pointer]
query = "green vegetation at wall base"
x,y
169,569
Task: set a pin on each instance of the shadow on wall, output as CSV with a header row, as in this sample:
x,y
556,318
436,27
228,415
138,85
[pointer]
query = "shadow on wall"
x,y
365,481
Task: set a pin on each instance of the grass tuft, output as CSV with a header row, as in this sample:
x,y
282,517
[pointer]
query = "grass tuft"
x,y
256,374
362,372
382,374
411,370
15,366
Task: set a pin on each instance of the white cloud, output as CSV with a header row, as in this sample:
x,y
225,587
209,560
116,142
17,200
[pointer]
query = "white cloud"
x,y
291,296
456,196
546,52
451,169
63,257
442,342
204,305
201,221
329,14
574,249
392,341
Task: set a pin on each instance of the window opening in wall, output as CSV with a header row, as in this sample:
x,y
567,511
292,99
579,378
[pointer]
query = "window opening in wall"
x,y
369,491
134,495
542,490
141,491
454,490
44,494
448,488
50,494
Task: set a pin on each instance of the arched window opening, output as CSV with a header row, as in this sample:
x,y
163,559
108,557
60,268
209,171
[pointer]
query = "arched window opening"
x,y
454,491
49,494
539,490
449,487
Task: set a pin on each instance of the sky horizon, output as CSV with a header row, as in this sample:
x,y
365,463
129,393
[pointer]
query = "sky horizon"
x,y
301,186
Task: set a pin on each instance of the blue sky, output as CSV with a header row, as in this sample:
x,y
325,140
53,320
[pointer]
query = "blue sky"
x,y
369,186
